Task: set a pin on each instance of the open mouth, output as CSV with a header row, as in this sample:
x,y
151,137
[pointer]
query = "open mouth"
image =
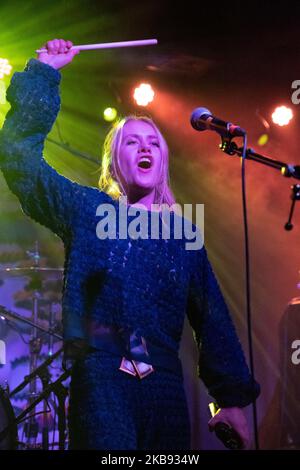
x,y
145,163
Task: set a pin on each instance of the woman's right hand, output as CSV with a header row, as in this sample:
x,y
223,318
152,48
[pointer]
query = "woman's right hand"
x,y
58,53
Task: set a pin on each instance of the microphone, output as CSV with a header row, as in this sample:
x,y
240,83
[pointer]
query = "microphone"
x,y
225,433
202,120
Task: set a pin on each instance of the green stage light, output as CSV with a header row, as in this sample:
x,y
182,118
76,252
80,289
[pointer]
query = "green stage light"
x,y
110,114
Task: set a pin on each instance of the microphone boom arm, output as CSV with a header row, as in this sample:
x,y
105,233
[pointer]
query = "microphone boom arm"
x,y
231,148
287,170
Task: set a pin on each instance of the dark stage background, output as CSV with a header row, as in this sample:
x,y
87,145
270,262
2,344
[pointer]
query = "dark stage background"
x,y
237,59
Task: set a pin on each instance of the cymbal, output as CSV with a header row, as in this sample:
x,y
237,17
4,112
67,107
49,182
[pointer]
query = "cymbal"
x,y
34,272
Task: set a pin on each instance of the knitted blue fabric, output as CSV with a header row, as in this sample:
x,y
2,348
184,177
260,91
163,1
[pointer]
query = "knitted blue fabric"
x,y
141,285
113,410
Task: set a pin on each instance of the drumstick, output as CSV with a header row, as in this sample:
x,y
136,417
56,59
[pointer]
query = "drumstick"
x,y
109,45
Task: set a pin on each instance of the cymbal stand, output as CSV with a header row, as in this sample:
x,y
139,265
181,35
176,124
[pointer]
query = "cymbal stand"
x,y
35,345
45,378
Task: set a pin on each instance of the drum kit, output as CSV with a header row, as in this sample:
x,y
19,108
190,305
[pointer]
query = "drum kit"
x,y
44,393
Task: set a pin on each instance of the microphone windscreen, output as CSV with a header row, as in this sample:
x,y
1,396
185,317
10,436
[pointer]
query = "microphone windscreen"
x,y
197,115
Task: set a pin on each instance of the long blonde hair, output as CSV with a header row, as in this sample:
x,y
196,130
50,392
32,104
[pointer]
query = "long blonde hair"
x,y
110,178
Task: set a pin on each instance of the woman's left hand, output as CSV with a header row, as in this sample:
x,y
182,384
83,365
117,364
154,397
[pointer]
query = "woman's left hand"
x,y
236,419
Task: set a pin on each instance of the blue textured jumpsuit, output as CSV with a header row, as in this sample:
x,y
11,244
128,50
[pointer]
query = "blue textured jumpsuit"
x,y
143,286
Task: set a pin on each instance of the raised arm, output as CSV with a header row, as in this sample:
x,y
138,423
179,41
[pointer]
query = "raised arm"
x,y
45,195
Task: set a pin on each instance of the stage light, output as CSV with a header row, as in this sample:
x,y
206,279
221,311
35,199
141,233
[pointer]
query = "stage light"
x,y
282,115
5,67
143,94
263,139
110,114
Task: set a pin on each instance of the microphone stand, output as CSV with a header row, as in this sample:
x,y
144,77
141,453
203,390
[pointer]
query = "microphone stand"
x,y
54,387
231,148
43,373
37,372
61,392
287,170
